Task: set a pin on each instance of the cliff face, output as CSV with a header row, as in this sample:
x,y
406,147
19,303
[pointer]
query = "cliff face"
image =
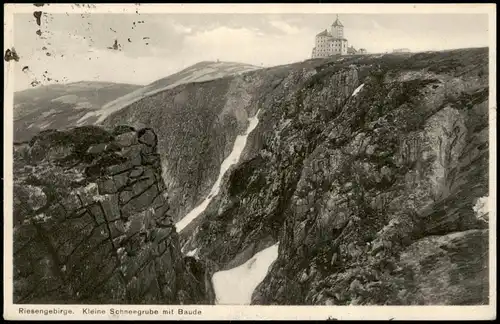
x,y
383,210
366,170
91,222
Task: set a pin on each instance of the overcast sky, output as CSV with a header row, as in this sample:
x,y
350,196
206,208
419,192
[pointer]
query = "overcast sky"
x,y
74,47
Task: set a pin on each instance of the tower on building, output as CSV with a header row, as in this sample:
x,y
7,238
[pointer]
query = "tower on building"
x,y
331,42
337,29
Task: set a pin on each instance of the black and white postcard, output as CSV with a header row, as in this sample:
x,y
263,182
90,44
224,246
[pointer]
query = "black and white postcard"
x,y
252,161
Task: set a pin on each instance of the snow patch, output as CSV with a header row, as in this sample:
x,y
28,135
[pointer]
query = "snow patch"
x,y
48,113
41,218
236,286
44,125
69,99
481,208
37,198
192,253
90,187
101,198
234,157
84,105
358,89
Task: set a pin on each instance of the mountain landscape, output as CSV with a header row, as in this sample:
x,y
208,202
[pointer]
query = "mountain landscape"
x,y
200,72
350,180
61,105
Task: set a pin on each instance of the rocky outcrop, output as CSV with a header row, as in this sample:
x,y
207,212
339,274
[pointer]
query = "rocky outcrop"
x,y
366,169
91,222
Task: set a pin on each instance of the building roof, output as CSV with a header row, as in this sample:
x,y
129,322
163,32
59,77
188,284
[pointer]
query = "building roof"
x,y
323,33
337,22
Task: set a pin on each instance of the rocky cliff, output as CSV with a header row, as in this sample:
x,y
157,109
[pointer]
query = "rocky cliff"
x,y
367,171
383,209
91,222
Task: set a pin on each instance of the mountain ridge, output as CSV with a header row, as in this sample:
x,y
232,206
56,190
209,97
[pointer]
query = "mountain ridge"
x,y
76,103
199,72
60,105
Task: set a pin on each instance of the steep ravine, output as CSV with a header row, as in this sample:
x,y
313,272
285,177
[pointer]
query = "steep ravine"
x,y
367,170
232,158
197,125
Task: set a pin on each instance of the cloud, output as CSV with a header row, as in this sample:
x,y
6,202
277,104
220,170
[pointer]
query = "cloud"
x,y
179,28
250,45
62,56
80,61
284,27
383,39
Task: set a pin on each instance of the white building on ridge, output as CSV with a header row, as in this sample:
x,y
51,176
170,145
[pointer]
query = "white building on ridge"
x,y
330,42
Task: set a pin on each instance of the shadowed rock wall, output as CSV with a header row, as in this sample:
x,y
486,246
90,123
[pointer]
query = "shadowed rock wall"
x,y
91,222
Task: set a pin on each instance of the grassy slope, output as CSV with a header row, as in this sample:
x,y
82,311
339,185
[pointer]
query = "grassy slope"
x,y
59,106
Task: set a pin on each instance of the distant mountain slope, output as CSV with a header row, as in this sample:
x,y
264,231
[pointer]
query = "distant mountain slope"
x,y
60,106
200,72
